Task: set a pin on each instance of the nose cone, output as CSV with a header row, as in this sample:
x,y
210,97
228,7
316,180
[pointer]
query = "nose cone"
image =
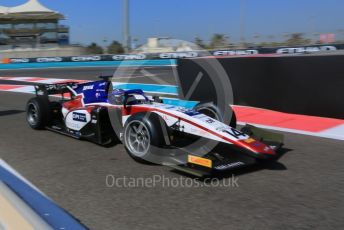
x,y
258,147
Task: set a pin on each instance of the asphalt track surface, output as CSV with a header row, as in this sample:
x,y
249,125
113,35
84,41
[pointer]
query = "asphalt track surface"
x,y
305,190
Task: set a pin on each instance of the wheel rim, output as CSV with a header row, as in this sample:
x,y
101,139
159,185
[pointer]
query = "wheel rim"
x,y
32,114
137,138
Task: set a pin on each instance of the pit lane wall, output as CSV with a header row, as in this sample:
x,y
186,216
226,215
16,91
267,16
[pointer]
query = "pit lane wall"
x,y
309,85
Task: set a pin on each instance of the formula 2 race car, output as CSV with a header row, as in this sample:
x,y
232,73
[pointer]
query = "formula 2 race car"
x,y
151,131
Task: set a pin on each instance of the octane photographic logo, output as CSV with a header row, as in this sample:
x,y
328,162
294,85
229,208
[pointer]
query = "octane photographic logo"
x,y
144,75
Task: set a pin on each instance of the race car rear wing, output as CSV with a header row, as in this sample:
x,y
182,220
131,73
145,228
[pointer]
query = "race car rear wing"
x,y
46,90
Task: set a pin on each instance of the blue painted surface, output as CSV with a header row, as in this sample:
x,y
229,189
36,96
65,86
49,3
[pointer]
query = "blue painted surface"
x,y
131,63
162,89
170,89
55,216
178,102
94,91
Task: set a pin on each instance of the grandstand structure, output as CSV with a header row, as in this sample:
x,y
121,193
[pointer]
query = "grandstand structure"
x,y
31,25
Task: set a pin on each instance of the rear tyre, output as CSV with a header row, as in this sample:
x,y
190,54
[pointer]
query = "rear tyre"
x,y
37,113
144,135
213,111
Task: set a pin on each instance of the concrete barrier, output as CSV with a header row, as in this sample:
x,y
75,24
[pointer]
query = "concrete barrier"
x,y
16,214
36,209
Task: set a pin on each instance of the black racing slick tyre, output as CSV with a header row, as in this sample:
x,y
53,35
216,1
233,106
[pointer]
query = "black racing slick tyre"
x,y
144,136
213,111
210,110
37,112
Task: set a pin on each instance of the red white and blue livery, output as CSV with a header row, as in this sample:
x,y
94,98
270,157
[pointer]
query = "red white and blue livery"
x,y
193,140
